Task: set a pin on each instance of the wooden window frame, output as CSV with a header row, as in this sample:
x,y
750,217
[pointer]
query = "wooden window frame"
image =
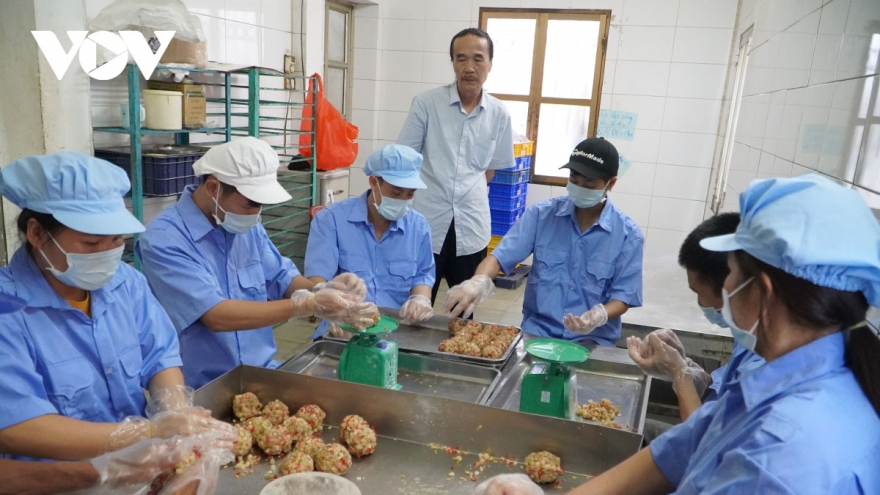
x,y
534,98
348,66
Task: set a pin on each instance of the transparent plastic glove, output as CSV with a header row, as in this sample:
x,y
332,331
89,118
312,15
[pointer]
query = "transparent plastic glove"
x,y
587,322
201,477
185,422
333,305
697,374
353,286
416,309
462,299
668,336
335,331
509,484
655,357
170,399
124,471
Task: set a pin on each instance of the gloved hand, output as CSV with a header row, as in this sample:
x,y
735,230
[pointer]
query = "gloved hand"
x,y
587,322
668,336
123,471
333,305
349,283
509,484
416,309
169,399
462,299
185,422
697,374
335,331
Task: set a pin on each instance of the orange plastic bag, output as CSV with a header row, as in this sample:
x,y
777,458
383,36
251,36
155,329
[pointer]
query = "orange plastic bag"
x,y
335,137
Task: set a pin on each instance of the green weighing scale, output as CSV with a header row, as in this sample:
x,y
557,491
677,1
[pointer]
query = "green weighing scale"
x,y
550,386
368,359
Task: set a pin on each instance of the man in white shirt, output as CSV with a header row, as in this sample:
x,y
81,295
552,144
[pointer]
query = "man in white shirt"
x,y
464,135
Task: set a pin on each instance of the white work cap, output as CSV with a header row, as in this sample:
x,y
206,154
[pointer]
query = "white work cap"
x,y
248,164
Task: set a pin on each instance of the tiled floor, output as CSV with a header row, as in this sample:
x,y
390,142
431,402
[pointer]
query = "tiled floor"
x,y
503,306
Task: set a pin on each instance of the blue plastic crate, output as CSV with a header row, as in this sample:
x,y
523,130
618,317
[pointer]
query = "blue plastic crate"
x,y
166,170
507,217
517,177
501,228
507,204
507,190
522,163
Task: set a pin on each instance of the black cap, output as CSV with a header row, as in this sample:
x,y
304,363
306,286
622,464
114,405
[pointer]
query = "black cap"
x,y
594,158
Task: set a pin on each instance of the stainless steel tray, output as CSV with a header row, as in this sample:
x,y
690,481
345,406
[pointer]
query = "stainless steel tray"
x,y
407,424
416,373
607,374
425,338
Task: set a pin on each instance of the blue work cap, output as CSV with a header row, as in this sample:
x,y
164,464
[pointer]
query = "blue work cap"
x,y
811,228
399,165
82,192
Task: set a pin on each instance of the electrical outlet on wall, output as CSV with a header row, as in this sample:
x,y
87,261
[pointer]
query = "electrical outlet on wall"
x,y
289,68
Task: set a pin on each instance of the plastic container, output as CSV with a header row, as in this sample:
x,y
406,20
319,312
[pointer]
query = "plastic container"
x,y
166,170
523,149
164,109
507,217
507,190
507,204
313,483
503,177
501,229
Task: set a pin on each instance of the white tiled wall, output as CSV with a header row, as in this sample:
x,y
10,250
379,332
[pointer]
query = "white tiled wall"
x,y
666,61
811,70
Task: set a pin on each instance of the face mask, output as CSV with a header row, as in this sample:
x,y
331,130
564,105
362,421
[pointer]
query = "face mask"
x,y
233,222
745,338
392,209
714,316
583,197
87,271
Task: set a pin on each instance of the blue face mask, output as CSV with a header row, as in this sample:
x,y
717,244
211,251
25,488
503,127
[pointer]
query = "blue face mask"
x,y
714,316
233,222
583,197
390,208
87,271
745,338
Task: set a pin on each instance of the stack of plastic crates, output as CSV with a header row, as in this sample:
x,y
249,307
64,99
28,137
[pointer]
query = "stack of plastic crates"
x,y
166,170
507,192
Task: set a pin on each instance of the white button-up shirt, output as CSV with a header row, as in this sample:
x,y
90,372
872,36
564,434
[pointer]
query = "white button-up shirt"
x,y
458,149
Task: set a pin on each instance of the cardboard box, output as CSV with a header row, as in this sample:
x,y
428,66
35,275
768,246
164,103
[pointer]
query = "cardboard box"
x,y
184,52
195,106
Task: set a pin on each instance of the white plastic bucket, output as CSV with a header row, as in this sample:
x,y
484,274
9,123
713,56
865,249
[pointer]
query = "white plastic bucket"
x,y
164,109
313,483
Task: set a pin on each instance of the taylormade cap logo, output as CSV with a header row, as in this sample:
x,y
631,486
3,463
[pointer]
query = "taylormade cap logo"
x,y
587,155
145,54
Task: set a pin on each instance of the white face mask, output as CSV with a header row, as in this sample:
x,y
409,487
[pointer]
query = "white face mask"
x,y
583,197
714,316
390,208
87,271
745,338
233,222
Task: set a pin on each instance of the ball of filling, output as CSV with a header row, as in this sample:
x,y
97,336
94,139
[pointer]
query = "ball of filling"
x,y
360,441
543,467
482,339
244,442
246,405
299,429
449,345
313,415
333,459
456,324
296,462
275,440
276,412
352,421
493,351
503,340
461,339
469,349
511,331
491,328
256,425
311,446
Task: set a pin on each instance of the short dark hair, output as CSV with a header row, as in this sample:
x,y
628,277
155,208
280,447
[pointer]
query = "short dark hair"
x,y
711,266
49,223
473,32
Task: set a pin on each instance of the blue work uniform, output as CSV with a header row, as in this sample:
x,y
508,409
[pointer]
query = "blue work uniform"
x,y
574,271
343,240
193,266
799,424
55,359
741,361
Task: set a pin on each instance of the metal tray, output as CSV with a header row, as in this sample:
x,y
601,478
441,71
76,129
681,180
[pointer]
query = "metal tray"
x,y
607,374
407,425
415,373
425,338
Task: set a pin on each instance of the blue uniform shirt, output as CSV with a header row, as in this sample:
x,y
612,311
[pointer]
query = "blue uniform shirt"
x,y
342,240
799,424
192,266
572,271
54,359
741,361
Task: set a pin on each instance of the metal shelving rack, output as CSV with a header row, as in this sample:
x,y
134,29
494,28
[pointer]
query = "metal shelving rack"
x,y
284,222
